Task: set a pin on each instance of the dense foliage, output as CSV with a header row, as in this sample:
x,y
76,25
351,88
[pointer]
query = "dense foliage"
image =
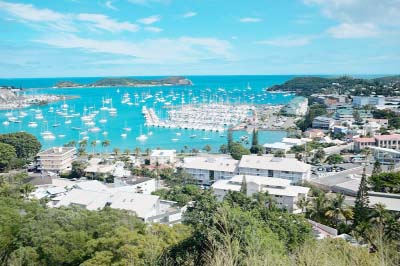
x,y
392,117
26,145
7,154
385,182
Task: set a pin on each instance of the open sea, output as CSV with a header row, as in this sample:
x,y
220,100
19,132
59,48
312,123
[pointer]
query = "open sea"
x,y
206,89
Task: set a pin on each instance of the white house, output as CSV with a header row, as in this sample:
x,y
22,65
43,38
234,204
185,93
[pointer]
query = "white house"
x,y
56,159
278,167
285,195
163,157
207,170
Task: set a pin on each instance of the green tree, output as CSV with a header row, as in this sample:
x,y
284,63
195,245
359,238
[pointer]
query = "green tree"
x,y
7,154
334,159
279,154
337,211
26,145
243,188
255,147
319,155
223,149
230,139
238,150
78,169
207,148
362,201
116,151
377,168
93,143
105,144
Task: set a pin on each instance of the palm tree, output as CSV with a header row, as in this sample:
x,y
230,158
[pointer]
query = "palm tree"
x,y
318,209
93,143
105,144
127,151
116,151
337,210
137,151
379,215
83,144
27,189
304,204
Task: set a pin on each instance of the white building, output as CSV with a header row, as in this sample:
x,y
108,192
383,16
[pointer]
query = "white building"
x,y
368,100
278,167
298,106
163,157
285,195
323,122
93,195
56,159
207,170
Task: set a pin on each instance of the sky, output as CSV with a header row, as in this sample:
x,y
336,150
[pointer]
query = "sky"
x,y
67,38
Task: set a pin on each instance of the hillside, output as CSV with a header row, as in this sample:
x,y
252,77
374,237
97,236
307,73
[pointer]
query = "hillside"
x,y
129,82
309,85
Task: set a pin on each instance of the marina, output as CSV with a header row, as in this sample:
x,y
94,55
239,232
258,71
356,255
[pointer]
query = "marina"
x,y
150,117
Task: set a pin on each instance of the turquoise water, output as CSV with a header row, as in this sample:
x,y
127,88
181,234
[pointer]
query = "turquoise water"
x,y
233,89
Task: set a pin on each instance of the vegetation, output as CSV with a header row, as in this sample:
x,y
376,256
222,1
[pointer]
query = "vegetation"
x,y
388,182
26,145
390,115
237,150
313,111
334,159
255,148
305,86
7,154
181,194
362,202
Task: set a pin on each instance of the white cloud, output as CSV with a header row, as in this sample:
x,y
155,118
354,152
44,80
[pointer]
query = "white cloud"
x,y
153,29
190,14
28,13
110,5
353,31
288,41
360,18
105,23
150,20
154,51
250,20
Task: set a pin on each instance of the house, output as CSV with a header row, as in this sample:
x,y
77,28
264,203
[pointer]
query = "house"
x,y
388,141
163,157
284,194
385,155
56,159
323,122
277,167
206,170
277,147
314,133
362,143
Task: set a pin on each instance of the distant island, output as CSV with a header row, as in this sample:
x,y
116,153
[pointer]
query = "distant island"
x,y
306,86
128,82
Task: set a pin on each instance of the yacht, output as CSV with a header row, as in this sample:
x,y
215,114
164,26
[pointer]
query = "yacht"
x,y
142,137
6,123
32,124
103,121
124,135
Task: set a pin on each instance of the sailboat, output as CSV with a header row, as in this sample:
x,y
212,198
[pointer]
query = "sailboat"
x,y
126,128
141,137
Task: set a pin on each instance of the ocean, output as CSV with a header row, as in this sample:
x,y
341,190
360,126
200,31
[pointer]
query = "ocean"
x,y
206,89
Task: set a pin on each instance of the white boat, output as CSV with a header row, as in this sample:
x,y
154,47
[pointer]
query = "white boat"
x,y
49,137
6,123
124,135
32,124
69,121
95,129
61,136
142,137
105,133
103,121
193,136
174,140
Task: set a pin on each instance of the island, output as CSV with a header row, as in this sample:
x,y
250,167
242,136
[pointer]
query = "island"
x,y
128,82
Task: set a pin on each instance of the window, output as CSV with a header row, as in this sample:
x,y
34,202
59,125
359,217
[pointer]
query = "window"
x,y
270,173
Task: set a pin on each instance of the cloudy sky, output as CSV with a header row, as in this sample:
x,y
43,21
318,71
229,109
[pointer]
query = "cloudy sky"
x,y
48,38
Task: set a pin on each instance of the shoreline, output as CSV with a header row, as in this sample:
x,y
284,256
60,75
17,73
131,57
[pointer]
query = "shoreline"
x,y
48,99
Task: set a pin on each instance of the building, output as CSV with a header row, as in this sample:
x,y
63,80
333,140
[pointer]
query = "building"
x,y
323,122
163,157
277,167
298,106
285,195
206,170
362,143
386,156
56,159
314,133
360,101
388,141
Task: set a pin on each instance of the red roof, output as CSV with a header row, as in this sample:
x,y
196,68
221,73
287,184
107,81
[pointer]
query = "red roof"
x,y
364,140
388,137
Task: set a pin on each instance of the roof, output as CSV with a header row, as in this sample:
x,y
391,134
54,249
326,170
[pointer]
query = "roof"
x,y
364,140
91,200
92,185
388,137
385,150
210,163
156,153
273,163
262,180
278,145
56,151
141,204
392,204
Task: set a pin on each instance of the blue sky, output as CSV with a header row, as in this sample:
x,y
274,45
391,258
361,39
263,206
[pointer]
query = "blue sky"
x,y
47,38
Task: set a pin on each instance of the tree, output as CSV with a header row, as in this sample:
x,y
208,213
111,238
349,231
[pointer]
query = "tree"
x,y
230,139
78,169
255,147
7,154
137,152
377,168
243,187
127,151
337,211
223,149
26,145
207,148
238,150
116,151
334,159
279,153
362,201
105,144
93,143
319,155
318,208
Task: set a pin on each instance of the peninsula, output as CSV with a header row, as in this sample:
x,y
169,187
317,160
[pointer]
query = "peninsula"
x,y
128,82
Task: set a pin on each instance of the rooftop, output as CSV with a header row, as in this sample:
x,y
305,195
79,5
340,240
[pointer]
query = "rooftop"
x,y
211,163
163,153
274,163
364,140
57,151
388,137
